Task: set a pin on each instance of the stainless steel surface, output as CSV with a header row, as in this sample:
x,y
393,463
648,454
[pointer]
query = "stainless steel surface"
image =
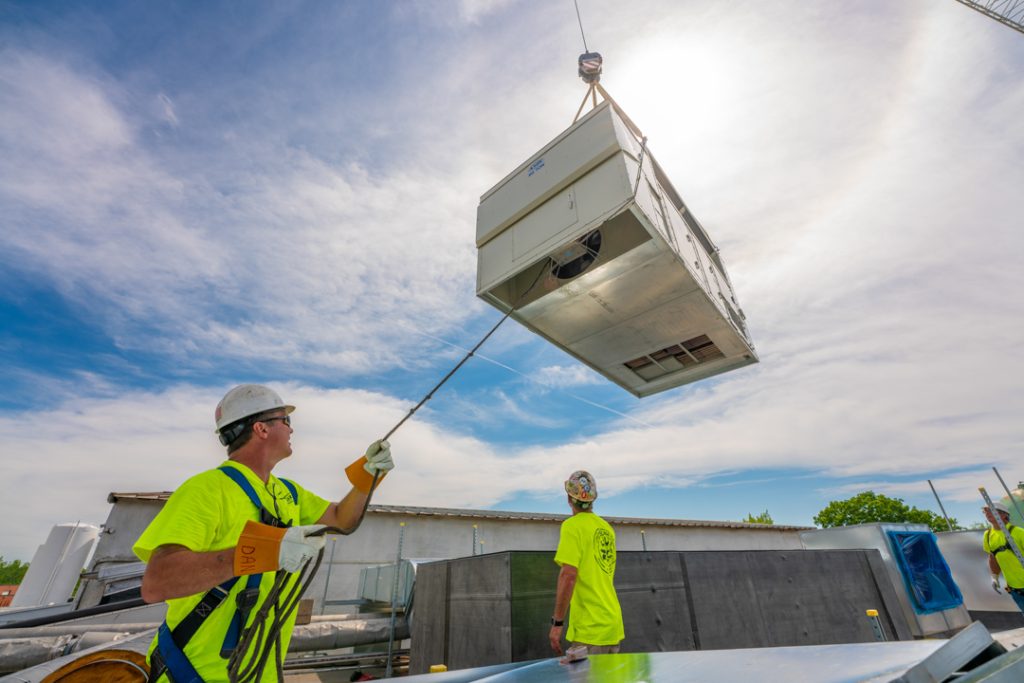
x,y
654,281
954,655
874,536
817,664
969,565
378,584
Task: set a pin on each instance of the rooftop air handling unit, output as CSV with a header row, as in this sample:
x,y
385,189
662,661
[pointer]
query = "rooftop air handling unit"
x,y
594,249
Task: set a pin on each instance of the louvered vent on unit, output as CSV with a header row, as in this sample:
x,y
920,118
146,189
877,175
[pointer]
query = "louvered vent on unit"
x,y
676,357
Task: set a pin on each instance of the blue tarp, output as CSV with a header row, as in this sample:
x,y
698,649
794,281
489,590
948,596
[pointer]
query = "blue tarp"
x,y
925,572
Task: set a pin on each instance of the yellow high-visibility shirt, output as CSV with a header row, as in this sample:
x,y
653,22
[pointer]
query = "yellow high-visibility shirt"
x,y
207,513
587,542
1008,562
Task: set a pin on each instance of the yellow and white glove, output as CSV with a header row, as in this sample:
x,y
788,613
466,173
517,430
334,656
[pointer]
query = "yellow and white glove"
x,y
377,459
262,548
995,583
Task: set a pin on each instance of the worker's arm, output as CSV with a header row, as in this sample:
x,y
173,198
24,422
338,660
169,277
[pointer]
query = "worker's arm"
x,y
993,567
563,595
345,513
174,571
365,474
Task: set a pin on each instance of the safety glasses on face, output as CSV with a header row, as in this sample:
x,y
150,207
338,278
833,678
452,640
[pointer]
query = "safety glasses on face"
x,y
283,418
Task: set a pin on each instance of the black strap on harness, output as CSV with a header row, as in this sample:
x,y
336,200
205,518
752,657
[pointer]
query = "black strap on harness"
x,y
1005,546
169,656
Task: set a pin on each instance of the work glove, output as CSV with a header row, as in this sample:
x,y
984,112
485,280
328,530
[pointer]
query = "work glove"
x,y
376,459
995,583
263,548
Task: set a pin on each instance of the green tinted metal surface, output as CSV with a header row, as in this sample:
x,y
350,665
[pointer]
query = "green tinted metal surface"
x,y
814,664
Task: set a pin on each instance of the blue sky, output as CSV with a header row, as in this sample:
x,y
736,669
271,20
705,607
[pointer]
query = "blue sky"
x,y
194,195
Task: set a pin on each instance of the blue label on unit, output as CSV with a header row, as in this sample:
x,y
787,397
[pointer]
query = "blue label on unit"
x,y
536,166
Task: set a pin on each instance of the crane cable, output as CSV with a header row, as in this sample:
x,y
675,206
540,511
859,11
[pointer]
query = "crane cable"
x,y
577,5
266,638
270,637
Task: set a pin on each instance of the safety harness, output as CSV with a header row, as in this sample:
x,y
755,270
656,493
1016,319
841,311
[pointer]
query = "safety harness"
x,y
1005,546
169,656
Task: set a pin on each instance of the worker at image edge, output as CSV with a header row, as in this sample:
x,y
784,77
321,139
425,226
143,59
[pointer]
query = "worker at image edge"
x,y
1001,559
238,523
586,581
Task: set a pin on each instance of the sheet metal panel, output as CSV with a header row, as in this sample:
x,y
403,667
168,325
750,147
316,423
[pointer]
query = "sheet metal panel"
x,y
874,536
654,595
429,616
479,605
745,599
497,606
854,663
652,279
969,565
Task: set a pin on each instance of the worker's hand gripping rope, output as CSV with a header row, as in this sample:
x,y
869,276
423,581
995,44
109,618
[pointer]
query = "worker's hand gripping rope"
x,y
375,463
262,548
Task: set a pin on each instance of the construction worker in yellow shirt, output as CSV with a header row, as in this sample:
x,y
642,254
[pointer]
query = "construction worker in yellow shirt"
x,y
586,581
228,536
1001,558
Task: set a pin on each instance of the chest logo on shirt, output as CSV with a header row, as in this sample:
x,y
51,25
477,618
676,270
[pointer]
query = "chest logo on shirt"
x,y
604,550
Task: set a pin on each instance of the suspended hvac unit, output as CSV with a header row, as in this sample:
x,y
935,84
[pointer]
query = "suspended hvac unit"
x,y
609,266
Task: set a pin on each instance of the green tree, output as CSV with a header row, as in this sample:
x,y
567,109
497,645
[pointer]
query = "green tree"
x,y
11,573
874,507
763,518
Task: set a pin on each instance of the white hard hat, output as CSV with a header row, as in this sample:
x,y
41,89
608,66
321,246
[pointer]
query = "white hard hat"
x,y
1002,507
245,400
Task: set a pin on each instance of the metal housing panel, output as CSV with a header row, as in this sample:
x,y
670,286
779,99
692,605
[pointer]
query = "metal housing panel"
x,y
874,536
969,565
651,282
498,605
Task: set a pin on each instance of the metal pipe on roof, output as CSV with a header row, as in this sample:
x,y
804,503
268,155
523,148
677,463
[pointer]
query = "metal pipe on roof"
x,y
939,501
72,630
1009,493
20,653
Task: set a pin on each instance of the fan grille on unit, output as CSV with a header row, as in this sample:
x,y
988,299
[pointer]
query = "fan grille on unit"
x,y
576,256
674,358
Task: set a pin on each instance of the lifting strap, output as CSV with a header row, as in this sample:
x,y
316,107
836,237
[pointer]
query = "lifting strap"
x,y
169,656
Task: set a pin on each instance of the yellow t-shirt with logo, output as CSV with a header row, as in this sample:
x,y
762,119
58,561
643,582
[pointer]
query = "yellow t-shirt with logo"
x,y
1008,562
587,542
207,513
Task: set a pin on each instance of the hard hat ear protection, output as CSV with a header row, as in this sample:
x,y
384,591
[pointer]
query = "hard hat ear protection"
x,y
232,432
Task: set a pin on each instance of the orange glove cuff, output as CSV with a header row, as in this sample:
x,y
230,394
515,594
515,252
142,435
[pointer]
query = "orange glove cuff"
x,y
258,549
360,478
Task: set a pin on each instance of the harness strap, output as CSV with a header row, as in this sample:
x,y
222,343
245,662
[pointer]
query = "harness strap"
x,y
170,654
244,603
177,666
266,516
1005,546
291,489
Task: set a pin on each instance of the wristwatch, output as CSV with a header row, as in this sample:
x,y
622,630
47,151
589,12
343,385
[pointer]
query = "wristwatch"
x,y
557,622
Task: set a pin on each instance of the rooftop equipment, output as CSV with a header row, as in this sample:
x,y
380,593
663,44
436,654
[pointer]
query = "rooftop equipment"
x,y
968,563
592,248
930,599
57,565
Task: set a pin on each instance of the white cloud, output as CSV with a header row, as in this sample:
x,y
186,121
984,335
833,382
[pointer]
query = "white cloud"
x,y
567,376
861,176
